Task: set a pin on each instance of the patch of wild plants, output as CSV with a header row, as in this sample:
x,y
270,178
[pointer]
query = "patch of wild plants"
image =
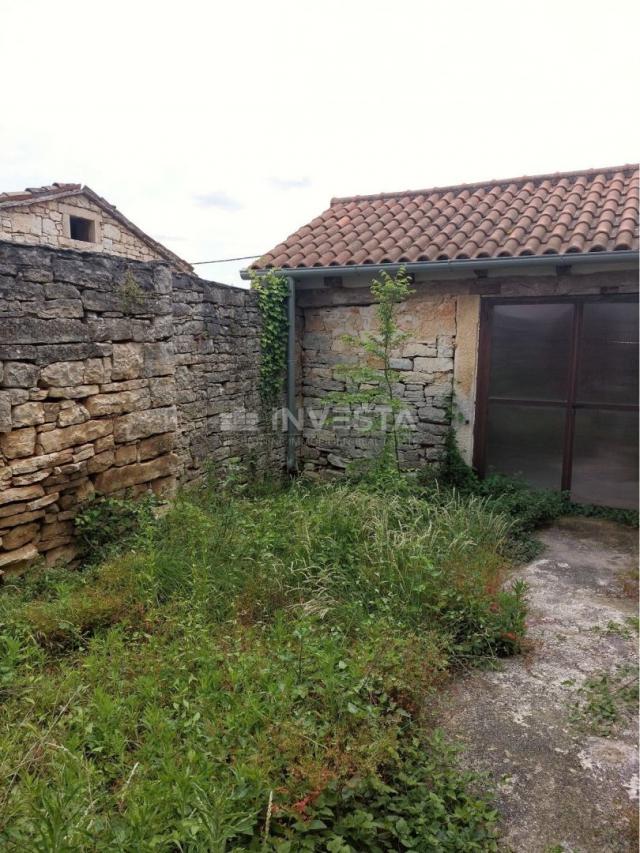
x,y
256,675
607,700
526,508
108,526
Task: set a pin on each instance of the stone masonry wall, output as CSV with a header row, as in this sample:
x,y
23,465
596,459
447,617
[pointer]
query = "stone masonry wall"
x,y
216,338
437,366
102,391
43,224
425,366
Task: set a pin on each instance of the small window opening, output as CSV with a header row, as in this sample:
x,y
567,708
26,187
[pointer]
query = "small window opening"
x,y
82,229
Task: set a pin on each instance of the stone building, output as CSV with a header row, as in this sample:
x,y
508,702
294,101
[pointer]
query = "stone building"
x,y
523,324
71,216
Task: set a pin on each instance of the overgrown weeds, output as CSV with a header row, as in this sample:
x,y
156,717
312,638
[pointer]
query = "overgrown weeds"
x,y
256,674
108,526
526,507
607,700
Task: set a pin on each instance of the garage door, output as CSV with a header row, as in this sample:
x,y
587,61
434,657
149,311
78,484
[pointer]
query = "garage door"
x,y
558,395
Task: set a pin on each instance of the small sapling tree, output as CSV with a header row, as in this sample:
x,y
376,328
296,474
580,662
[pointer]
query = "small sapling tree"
x,y
370,384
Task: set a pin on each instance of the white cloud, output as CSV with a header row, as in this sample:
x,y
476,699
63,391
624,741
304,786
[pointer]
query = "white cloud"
x,y
154,104
219,199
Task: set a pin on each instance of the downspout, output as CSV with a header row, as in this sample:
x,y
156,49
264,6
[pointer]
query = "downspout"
x,y
292,465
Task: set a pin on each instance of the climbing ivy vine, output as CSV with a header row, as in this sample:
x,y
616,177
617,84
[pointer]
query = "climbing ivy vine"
x,y
272,291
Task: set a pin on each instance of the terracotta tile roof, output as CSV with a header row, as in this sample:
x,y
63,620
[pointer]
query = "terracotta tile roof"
x,y
562,213
34,195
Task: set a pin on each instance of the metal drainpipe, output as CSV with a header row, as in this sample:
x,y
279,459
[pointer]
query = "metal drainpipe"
x,y
292,466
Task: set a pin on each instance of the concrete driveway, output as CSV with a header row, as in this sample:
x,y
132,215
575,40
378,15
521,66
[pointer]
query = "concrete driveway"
x,y
566,779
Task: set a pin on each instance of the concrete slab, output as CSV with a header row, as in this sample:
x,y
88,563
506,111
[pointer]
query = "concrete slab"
x,y
560,787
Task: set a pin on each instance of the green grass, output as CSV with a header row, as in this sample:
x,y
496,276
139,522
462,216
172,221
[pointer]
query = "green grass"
x,y
256,673
526,507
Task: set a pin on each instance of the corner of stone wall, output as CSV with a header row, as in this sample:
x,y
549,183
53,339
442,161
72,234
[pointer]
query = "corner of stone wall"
x,y
116,377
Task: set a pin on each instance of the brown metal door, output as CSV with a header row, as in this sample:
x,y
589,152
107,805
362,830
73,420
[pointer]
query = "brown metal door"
x,y
558,395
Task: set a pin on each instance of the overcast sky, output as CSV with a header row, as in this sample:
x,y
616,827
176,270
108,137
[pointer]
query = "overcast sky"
x,y
220,128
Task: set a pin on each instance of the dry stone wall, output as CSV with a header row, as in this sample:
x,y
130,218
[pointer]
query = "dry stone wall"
x,y
114,376
217,356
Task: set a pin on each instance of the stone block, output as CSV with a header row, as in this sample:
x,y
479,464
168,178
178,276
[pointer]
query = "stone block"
x,y
15,559
128,360
156,445
163,391
412,349
433,415
400,364
433,365
17,374
18,443
118,403
27,414
27,330
97,371
36,463
56,529
80,454
142,424
62,373
64,309
105,443
74,414
73,392
9,521
40,503
18,536
61,555
21,493
158,359
126,454
59,439
118,479
101,462
28,479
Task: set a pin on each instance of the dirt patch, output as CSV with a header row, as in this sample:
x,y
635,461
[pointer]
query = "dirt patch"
x,y
560,787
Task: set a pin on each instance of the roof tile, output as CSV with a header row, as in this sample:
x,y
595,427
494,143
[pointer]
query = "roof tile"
x,y
589,211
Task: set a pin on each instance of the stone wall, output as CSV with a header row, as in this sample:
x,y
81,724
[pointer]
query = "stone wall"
x,y
46,223
437,366
106,389
216,336
425,366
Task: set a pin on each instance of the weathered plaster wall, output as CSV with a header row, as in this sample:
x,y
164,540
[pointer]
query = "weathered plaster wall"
x,y
101,393
46,224
438,365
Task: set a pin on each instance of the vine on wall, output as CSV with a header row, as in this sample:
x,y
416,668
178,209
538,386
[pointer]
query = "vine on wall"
x,y
272,291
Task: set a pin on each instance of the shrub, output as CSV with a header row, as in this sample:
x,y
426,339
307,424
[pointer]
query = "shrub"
x,y
108,526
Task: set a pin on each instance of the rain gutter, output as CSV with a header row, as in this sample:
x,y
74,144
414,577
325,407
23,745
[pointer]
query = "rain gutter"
x,y
548,261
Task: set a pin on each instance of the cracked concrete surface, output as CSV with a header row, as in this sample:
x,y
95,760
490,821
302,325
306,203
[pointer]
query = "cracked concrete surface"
x,y
559,788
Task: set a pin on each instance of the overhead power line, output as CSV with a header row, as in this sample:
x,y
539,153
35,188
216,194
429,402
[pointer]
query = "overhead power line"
x,y
225,260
